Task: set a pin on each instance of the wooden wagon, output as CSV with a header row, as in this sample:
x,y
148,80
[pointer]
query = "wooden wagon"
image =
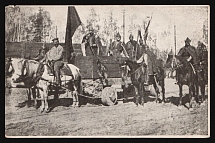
x,y
111,93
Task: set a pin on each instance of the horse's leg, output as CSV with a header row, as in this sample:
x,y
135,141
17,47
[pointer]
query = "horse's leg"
x,y
191,89
29,97
156,90
180,94
203,92
163,89
42,107
34,96
197,91
142,93
74,94
46,106
136,95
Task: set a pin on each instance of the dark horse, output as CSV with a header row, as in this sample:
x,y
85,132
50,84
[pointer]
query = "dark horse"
x,y
203,64
138,78
186,76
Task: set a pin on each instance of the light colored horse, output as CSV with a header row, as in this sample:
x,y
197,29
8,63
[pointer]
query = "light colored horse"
x,y
25,71
22,76
75,81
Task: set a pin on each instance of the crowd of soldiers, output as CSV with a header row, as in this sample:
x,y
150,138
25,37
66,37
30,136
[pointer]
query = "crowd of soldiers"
x,y
139,52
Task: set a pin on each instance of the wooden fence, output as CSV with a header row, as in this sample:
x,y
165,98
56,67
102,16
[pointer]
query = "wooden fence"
x,y
30,50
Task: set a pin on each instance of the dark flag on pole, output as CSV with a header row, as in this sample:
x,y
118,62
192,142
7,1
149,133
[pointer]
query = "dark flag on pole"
x,y
73,21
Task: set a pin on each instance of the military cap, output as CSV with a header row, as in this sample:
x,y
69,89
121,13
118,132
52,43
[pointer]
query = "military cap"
x,y
118,35
90,28
131,36
54,39
188,40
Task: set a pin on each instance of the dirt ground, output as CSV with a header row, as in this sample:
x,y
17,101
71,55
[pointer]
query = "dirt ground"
x,y
121,120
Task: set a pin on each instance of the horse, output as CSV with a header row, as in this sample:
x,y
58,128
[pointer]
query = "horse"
x,y
28,71
22,76
72,82
137,78
159,79
186,76
203,64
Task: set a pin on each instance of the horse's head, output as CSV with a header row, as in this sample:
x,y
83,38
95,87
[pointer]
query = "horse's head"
x,y
23,70
128,63
9,69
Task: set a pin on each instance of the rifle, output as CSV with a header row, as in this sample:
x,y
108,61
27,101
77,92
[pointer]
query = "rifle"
x,y
126,54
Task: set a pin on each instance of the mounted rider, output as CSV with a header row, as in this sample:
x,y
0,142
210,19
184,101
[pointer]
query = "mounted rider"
x,y
148,59
188,54
54,57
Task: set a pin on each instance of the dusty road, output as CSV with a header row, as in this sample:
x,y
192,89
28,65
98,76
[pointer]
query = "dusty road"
x,y
123,119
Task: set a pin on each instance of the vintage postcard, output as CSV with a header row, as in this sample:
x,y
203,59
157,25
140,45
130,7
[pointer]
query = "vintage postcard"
x,y
128,71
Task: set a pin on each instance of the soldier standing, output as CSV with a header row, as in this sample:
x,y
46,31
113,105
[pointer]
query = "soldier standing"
x,y
117,48
132,48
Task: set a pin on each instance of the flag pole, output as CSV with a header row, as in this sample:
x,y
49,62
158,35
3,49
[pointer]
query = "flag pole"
x,y
123,25
175,37
56,31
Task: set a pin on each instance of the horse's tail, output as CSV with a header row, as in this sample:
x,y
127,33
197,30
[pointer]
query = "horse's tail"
x,y
80,88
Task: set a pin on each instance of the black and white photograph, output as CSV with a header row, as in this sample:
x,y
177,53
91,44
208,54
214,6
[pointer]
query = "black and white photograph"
x,y
122,71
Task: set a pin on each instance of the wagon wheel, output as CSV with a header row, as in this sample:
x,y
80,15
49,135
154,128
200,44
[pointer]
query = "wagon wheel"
x,y
109,96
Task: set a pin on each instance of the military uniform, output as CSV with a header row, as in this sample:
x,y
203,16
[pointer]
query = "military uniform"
x,y
148,58
116,48
91,47
133,49
188,54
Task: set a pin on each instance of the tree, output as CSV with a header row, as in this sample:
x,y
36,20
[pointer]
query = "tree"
x,y
20,23
41,23
93,19
110,28
13,23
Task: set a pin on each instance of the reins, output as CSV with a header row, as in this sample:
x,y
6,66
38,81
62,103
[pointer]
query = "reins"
x,y
136,70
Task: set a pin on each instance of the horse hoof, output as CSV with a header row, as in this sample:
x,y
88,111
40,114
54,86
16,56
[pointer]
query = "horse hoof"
x,y
47,110
41,110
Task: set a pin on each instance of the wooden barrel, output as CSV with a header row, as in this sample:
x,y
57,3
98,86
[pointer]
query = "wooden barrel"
x,y
109,96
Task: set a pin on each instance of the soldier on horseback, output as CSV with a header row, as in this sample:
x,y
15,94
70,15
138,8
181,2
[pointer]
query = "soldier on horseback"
x,y
148,58
54,57
188,55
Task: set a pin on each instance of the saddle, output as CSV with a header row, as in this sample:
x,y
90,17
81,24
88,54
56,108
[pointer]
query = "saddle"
x,y
65,70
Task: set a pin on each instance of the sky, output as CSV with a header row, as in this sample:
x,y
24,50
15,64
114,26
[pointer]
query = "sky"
x,y
187,19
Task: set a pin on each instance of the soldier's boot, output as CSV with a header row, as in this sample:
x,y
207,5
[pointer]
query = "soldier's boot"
x,y
58,80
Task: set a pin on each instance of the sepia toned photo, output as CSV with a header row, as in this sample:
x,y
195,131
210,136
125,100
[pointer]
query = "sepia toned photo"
x,y
122,71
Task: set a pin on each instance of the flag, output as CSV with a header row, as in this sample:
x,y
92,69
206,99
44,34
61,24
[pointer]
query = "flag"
x,y
146,30
73,21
